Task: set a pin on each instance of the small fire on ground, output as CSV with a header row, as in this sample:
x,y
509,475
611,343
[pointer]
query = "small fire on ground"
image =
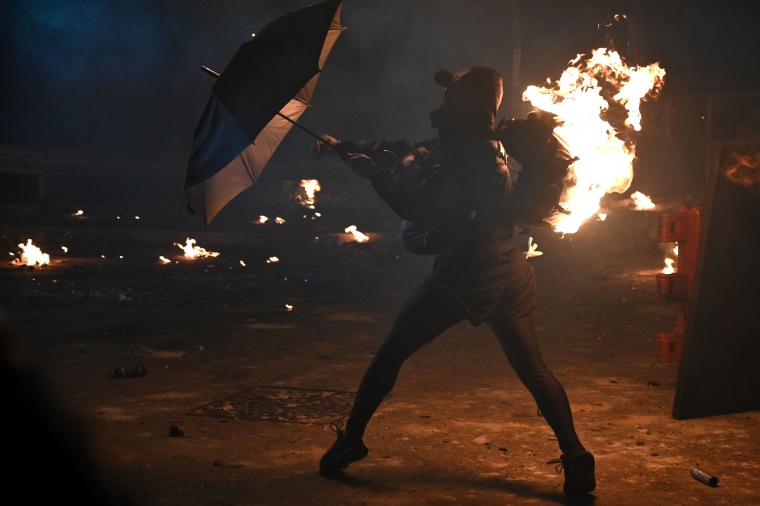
x,y
31,255
193,251
310,187
357,235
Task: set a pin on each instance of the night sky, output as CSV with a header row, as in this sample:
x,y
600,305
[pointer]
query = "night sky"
x,y
123,77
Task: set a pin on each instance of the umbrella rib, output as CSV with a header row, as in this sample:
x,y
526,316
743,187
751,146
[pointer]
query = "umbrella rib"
x,y
216,74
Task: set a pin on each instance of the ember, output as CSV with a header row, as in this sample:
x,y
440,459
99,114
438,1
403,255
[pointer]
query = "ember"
x,y
358,236
31,255
193,251
603,160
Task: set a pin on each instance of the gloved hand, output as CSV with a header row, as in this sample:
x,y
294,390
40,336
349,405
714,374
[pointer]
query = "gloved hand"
x,y
321,147
362,165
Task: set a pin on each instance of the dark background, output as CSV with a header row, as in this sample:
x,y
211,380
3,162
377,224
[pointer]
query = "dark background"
x,y
124,79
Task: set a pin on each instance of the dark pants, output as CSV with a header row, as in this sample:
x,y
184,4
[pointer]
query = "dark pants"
x,y
429,312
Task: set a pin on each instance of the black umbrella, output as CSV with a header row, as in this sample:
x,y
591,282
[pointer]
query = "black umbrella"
x,y
255,102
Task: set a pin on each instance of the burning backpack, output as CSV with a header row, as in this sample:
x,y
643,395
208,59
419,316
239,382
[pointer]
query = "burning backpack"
x,y
538,187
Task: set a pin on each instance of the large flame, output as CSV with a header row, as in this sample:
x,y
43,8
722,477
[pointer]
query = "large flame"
x,y
603,160
31,255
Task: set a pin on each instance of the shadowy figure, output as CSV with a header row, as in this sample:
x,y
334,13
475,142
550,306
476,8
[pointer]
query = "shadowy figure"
x,y
453,195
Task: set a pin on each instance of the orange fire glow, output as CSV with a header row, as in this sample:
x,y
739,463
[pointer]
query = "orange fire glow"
x,y
746,170
31,255
604,161
193,251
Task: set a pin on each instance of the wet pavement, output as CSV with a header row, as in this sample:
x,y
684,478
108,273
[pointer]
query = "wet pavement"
x,y
248,361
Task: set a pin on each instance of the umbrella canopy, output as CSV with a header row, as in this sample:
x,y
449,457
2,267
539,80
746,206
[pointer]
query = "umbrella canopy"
x,y
266,87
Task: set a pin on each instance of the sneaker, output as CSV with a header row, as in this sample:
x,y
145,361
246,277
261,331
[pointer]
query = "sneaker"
x,y
343,452
579,474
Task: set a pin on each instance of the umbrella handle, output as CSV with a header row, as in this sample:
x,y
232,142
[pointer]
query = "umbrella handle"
x,y
216,74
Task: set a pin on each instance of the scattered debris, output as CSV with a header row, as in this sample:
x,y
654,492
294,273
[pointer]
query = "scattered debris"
x,y
704,477
177,431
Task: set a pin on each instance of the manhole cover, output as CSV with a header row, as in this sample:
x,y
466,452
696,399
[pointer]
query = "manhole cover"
x,y
282,404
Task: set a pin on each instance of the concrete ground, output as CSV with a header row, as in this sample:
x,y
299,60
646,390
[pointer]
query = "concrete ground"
x,y
249,362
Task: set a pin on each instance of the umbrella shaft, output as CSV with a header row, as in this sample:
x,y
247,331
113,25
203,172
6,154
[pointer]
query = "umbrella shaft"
x,y
316,136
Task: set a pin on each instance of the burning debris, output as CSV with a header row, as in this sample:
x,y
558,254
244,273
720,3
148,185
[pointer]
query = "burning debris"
x,y
193,251
357,235
31,255
579,100
272,260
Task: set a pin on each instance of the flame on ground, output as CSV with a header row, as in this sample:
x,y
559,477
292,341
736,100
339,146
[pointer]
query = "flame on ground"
x,y
31,255
358,236
604,161
310,187
193,251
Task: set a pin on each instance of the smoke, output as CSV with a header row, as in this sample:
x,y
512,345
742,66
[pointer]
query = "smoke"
x,y
123,77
